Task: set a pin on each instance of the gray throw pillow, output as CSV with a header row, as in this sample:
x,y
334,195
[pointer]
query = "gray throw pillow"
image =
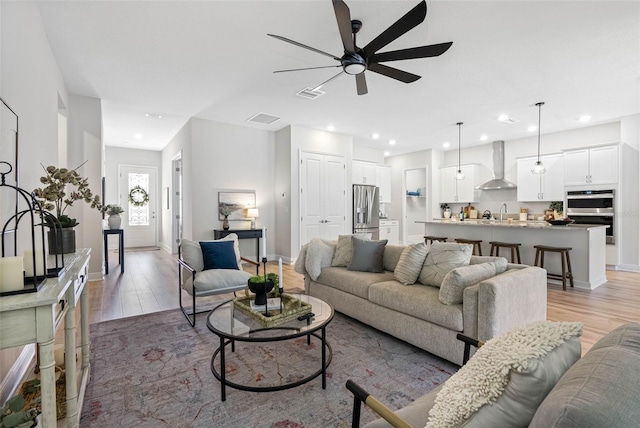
x,y
443,257
367,255
410,264
342,255
457,280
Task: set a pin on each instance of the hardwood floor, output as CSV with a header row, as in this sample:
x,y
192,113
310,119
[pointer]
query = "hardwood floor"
x,y
150,284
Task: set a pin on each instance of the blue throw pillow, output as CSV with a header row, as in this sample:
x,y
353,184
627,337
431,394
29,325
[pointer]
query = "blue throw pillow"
x,y
218,255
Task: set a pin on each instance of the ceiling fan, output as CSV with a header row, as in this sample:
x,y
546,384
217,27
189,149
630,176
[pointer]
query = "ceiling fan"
x,y
356,61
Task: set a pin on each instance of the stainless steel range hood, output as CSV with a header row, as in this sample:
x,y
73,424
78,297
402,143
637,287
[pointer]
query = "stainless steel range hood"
x,y
498,181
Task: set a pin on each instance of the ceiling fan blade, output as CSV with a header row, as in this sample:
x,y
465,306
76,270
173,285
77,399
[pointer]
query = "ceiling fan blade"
x,y
411,19
306,68
293,42
327,81
343,16
361,84
411,53
394,73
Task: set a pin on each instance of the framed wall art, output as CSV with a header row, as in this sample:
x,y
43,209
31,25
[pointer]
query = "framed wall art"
x,y
235,204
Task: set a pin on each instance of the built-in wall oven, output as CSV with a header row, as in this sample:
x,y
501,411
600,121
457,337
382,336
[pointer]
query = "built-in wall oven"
x,y
593,207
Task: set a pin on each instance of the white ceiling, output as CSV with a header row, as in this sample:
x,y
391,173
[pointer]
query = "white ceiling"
x,y
214,60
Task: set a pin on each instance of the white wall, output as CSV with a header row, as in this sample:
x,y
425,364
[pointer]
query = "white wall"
x,y
369,154
283,192
232,158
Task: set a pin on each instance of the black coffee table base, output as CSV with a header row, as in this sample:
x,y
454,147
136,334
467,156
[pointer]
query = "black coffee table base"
x,y
327,355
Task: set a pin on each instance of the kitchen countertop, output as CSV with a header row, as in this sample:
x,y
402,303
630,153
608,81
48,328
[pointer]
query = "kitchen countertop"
x,y
533,224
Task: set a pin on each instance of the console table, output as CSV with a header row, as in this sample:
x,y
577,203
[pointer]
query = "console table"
x,y
105,234
33,318
243,234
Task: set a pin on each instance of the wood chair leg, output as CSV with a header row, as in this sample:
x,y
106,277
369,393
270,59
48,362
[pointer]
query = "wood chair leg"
x,y
564,271
570,270
518,254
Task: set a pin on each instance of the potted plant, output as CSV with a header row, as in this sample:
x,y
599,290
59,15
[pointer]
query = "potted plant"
x,y
557,207
446,211
14,416
114,211
260,285
56,197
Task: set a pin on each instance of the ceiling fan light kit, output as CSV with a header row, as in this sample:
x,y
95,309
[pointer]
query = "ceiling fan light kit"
x,y
355,60
538,167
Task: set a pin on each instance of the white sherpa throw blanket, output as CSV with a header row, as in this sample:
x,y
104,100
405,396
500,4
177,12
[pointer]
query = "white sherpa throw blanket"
x,y
314,256
483,379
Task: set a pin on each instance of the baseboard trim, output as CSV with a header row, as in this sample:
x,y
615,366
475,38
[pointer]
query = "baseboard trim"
x,y
165,247
18,371
95,276
628,268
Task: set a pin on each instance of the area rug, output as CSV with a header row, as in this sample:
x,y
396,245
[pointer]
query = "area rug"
x,y
154,370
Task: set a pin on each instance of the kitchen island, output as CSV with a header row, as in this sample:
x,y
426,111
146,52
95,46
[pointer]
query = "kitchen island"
x,y
588,243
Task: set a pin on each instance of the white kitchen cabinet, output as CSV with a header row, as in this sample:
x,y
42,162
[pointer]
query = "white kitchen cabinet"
x,y
390,230
383,181
363,172
452,190
541,187
594,165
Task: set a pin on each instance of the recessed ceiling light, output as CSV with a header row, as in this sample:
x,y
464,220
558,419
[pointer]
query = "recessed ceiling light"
x,y
446,144
387,153
484,137
159,117
147,114
331,128
503,117
375,136
532,128
392,142
138,136
585,118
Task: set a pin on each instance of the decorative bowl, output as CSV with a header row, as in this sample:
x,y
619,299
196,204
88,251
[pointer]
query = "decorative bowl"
x,y
261,289
560,222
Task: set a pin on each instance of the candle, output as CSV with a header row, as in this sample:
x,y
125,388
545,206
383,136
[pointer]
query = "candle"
x,y
264,243
28,263
280,279
11,273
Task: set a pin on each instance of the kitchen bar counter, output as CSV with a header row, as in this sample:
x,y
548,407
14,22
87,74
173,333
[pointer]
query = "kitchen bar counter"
x,y
588,243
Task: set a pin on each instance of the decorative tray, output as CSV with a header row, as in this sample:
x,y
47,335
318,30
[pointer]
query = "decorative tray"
x,y
560,222
292,308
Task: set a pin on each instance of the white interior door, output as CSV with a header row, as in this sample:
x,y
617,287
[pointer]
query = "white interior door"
x,y
322,196
139,218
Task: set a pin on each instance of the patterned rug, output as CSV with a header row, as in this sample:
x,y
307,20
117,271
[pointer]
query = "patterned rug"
x,y
154,371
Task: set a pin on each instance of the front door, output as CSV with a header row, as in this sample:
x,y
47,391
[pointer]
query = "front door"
x,y
138,197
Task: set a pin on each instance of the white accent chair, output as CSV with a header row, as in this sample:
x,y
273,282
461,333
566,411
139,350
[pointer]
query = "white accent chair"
x,y
198,282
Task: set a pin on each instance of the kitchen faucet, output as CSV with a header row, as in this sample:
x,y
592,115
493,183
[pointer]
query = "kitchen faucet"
x,y
505,210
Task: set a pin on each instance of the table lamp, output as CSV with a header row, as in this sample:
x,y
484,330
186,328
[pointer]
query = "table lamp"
x,y
253,213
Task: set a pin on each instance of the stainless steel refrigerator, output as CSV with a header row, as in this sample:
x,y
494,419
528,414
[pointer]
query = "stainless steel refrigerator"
x,y
366,210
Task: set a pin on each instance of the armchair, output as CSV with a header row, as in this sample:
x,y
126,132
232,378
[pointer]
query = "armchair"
x,y
210,269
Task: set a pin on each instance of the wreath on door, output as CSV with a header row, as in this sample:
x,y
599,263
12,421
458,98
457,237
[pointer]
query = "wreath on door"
x,y
138,197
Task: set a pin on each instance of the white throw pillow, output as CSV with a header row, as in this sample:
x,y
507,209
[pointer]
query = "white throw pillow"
x,y
319,255
410,264
503,384
342,254
443,257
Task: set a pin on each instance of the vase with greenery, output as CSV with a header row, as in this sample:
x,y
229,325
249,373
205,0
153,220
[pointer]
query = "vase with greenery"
x,y
446,211
225,210
558,209
260,285
114,211
63,187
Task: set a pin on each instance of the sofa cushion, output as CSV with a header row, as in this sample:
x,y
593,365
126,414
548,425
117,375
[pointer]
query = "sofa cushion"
x,y
443,257
367,255
600,390
506,380
218,281
356,283
414,413
318,256
391,256
410,264
457,280
418,301
342,254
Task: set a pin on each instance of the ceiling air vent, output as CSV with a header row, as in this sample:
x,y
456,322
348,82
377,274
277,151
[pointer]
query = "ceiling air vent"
x,y
263,118
310,93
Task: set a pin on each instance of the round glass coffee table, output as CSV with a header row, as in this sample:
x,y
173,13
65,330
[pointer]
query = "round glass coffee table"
x,y
231,325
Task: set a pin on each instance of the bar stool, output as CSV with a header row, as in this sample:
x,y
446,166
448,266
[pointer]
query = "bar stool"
x,y
564,257
515,250
430,239
474,242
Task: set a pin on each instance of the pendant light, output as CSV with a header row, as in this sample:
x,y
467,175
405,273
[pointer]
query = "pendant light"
x,y
459,174
538,167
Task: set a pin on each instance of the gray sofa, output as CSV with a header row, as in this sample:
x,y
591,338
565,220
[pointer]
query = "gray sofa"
x,y
599,390
415,314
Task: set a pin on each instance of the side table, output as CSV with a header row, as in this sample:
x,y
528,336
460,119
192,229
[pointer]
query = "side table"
x,y
105,234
